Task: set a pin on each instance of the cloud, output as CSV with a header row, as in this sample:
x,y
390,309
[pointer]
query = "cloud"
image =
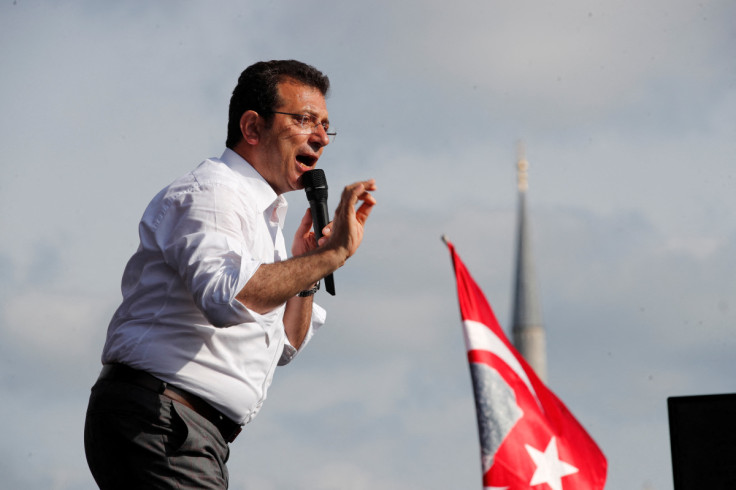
x,y
40,323
627,112
566,62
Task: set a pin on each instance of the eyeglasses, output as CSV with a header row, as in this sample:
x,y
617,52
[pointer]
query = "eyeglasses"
x,y
309,123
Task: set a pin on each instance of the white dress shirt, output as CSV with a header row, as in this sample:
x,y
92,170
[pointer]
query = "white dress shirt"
x,y
201,239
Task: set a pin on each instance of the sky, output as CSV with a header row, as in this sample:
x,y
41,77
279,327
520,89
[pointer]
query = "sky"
x,y
627,112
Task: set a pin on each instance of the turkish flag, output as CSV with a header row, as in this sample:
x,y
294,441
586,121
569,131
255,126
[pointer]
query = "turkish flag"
x,y
528,438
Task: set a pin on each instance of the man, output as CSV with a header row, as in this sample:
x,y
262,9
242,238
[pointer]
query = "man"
x,y
211,303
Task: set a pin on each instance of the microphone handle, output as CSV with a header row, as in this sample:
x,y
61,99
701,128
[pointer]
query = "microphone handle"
x,y
320,220
330,284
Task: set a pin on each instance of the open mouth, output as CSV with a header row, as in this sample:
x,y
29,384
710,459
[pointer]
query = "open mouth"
x,y
307,160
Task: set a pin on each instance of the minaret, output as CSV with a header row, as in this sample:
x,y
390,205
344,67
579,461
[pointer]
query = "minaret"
x,y
527,330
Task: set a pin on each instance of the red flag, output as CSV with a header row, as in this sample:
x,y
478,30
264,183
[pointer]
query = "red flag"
x,y
528,438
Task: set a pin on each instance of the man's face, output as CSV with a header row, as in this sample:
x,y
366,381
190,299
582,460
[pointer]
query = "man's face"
x,y
289,149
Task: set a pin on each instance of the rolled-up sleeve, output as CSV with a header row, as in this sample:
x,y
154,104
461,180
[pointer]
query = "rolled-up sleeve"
x,y
208,241
319,315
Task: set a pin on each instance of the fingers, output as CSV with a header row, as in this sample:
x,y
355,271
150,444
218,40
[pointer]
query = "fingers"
x,y
346,211
327,230
306,222
304,239
359,191
369,185
365,210
369,201
345,232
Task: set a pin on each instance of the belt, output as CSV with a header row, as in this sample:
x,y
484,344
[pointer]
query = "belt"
x,y
126,374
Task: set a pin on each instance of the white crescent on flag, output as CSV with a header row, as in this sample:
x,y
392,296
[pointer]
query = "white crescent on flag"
x,y
479,337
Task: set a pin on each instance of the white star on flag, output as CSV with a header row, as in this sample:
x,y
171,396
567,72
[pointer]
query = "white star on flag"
x,y
550,469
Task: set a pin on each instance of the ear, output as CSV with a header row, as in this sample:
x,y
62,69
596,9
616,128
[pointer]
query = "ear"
x,y
250,127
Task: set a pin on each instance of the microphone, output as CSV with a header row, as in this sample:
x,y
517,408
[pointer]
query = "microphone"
x,y
315,184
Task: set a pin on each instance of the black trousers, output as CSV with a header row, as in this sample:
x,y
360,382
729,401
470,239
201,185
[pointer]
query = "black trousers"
x,y
135,438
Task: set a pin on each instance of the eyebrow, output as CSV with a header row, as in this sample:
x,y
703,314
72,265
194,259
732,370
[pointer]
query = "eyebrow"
x,y
314,115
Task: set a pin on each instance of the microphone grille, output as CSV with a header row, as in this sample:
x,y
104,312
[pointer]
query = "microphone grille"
x,y
314,179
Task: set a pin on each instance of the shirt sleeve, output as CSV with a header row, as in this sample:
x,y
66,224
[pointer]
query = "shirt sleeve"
x,y
319,316
206,235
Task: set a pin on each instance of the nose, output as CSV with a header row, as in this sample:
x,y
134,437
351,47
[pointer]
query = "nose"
x,y
319,134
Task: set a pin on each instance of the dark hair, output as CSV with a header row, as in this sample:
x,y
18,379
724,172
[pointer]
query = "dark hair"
x,y
257,90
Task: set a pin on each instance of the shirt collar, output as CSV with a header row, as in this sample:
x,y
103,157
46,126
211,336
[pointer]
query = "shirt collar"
x,y
264,195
